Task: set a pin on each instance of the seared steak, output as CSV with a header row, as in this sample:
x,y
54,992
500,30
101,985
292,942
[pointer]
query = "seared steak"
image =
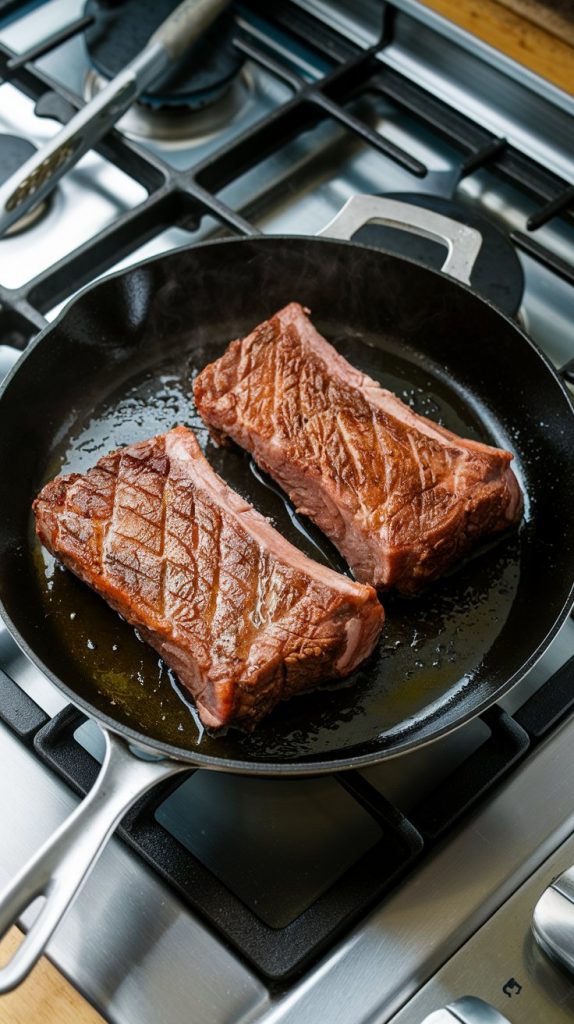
x,y
401,497
243,618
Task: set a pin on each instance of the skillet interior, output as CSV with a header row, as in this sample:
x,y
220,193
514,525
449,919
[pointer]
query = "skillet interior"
x,y
118,366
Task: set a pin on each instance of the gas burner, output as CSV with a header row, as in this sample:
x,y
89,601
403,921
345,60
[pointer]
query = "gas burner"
x,y
179,124
497,273
14,152
120,31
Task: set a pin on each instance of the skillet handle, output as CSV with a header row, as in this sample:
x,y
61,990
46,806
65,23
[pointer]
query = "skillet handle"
x,y
463,243
60,867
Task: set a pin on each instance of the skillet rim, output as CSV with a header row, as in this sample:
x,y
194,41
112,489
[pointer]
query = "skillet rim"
x,y
294,767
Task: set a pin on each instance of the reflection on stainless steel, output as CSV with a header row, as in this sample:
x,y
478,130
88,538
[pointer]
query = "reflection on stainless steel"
x,y
553,920
482,83
59,869
179,126
467,1010
504,963
118,959
443,1016
89,198
384,962
368,977
36,178
8,356
29,218
27,676
14,151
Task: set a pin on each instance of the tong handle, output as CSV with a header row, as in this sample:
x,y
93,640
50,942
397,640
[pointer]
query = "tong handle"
x,y
37,177
186,24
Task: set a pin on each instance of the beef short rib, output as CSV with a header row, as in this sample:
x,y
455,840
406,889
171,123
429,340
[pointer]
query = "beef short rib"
x,y
401,497
242,616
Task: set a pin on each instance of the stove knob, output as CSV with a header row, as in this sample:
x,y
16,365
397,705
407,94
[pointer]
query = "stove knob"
x,y
468,1010
553,920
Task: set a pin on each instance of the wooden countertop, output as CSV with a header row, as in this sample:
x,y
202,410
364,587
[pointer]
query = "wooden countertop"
x,y
45,996
523,40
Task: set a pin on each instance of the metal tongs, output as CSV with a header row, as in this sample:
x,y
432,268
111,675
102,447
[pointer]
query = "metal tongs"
x,y
37,177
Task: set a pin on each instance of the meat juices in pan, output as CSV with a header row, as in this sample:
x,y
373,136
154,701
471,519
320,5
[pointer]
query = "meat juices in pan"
x,y
242,616
402,498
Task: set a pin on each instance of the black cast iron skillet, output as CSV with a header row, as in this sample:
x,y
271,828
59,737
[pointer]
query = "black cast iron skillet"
x,y
117,366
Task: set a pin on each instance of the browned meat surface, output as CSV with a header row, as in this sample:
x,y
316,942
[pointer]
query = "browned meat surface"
x,y
402,498
242,617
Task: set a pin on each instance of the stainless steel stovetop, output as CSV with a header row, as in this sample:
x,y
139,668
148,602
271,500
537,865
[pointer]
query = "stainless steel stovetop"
x,y
459,924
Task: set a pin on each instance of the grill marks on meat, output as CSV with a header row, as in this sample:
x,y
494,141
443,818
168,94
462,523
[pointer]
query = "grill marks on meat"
x,y
243,617
402,498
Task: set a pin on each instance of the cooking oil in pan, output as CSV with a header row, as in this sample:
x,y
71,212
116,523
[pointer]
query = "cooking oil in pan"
x,y
431,646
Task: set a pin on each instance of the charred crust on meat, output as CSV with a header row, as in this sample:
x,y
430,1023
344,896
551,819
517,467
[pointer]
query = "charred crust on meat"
x,y
186,560
401,497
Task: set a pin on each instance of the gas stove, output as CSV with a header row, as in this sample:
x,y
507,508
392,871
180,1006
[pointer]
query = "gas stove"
x,y
394,893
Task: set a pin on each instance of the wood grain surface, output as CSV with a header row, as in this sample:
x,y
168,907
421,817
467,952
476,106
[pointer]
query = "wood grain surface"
x,y
556,16
527,43
45,997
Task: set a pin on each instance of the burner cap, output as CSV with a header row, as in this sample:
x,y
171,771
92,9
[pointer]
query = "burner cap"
x,y
120,31
14,152
497,273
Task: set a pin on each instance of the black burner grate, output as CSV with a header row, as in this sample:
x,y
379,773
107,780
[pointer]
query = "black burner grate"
x,y
280,953
19,711
118,32
277,953
182,198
